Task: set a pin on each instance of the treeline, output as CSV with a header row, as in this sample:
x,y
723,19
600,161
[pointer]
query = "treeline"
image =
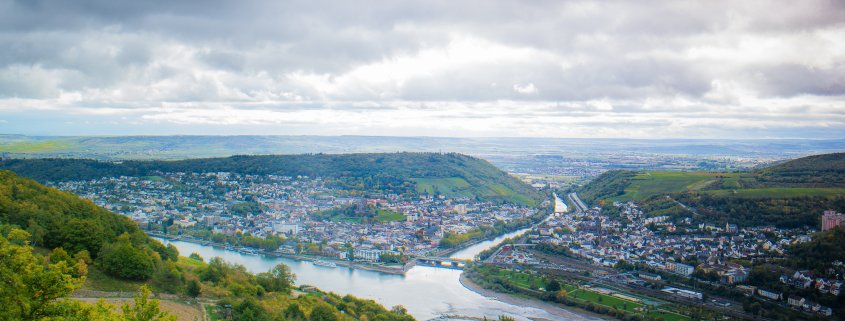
x,y
826,170
56,219
389,172
820,253
607,185
268,243
780,212
37,287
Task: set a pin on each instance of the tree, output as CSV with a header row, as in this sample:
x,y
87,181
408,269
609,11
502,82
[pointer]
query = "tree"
x,y
19,237
278,279
80,234
398,309
38,233
249,310
59,254
294,312
215,271
123,260
560,296
167,277
30,288
172,253
553,286
145,309
323,312
196,256
193,288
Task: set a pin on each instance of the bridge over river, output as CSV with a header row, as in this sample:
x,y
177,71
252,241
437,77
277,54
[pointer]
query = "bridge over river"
x,y
443,262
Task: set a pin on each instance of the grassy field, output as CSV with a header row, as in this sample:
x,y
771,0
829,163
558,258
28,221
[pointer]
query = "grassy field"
x,y
622,304
389,216
99,281
605,300
38,146
383,217
182,311
524,280
650,184
532,282
777,192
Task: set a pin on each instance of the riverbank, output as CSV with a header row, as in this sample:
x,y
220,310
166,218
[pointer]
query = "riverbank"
x,y
397,270
553,309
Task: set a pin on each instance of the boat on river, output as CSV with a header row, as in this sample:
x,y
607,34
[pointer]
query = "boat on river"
x,y
325,263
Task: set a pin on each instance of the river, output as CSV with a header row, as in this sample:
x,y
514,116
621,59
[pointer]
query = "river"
x,y
427,292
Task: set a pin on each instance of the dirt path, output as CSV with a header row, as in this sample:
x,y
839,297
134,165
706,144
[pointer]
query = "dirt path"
x,y
182,311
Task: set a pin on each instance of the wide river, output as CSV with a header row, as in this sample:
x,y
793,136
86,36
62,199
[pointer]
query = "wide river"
x,y
427,292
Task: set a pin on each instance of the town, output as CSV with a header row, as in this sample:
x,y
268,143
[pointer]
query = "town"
x,y
653,249
306,215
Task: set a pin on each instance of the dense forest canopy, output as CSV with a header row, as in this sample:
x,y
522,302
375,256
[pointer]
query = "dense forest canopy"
x,y
386,172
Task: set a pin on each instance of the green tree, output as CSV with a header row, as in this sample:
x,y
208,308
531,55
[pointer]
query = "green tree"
x,y
31,289
323,312
167,277
123,260
172,253
215,271
38,233
81,234
193,288
59,254
278,279
553,286
145,309
294,312
196,256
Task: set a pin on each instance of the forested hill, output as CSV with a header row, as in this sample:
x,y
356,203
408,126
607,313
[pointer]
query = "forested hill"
x,y
826,170
56,218
790,194
449,174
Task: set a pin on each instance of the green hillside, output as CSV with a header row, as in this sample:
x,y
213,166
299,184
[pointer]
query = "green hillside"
x,y
789,194
53,243
448,174
632,186
826,170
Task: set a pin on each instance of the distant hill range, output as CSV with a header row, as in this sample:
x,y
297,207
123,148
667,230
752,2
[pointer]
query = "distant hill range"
x,y
185,147
789,194
449,174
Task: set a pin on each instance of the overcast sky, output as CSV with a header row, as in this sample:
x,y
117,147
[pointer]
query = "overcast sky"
x,y
633,69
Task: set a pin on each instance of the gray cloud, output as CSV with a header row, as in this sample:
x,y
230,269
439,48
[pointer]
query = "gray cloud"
x,y
765,63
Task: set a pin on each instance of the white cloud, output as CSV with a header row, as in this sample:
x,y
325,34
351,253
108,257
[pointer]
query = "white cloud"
x,y
525,89
576,68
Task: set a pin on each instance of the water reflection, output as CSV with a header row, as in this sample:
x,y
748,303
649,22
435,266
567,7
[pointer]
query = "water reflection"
x,y
427,292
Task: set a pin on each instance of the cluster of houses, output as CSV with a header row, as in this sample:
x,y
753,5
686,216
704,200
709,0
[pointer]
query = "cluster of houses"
x,y
285,206
805,280
605,241
512,254
800,303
